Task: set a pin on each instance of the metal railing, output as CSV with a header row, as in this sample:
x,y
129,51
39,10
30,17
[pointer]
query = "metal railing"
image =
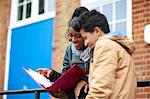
x,y
144,83
36,91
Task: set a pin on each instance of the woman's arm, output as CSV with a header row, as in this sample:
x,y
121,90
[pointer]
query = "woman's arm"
x,y
67,59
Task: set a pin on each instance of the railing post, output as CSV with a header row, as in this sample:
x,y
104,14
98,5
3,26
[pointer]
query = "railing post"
x,y
37,95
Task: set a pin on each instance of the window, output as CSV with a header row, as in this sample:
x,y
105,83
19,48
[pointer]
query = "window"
x,y
46,6
24,9
118,13
25,12
41,6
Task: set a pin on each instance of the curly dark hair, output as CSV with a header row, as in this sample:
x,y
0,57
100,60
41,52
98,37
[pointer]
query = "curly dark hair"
x,y
78,11
72,23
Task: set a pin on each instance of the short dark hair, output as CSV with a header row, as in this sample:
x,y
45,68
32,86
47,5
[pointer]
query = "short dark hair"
x,y
89,20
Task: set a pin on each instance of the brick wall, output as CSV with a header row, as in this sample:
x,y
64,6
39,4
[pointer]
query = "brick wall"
x,y
64,10
141,17
1,68
4,21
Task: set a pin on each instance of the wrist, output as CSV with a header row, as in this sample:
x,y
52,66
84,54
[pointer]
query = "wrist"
x,y
84,78
49,73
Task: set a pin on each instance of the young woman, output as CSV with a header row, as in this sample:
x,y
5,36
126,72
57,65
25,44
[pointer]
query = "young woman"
x,y
76,52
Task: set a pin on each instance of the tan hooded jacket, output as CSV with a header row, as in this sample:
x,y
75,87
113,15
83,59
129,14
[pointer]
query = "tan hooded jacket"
x,y
112,73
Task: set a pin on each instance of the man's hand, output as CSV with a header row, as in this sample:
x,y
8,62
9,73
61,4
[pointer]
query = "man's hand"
x,y
80,85
45,72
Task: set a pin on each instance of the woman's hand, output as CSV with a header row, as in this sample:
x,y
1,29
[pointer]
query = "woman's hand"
x,y
45,72
80,85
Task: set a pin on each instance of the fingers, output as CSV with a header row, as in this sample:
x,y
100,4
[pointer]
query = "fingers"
x,y
49,73
76,97
80,85
86,88
45,72
42,71
78,89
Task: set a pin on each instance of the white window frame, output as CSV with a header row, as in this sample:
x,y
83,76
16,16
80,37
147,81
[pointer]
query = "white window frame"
x,y
90,4
35,17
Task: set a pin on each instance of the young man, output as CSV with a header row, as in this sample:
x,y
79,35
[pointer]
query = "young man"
x,y
112,73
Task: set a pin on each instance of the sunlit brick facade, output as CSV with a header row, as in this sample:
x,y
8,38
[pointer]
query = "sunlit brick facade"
x,y
4,22
64,10
140,18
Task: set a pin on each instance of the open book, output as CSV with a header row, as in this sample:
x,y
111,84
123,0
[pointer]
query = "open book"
x,y
67,82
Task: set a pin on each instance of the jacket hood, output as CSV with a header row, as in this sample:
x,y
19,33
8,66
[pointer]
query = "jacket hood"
x,y
126,43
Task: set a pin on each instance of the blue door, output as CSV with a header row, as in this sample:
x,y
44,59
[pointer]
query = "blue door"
x,y
31,46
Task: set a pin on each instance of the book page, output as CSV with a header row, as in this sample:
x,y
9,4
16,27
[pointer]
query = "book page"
x,y
40,79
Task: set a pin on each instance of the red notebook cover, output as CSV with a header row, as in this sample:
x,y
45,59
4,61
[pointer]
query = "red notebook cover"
x,y
67,82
